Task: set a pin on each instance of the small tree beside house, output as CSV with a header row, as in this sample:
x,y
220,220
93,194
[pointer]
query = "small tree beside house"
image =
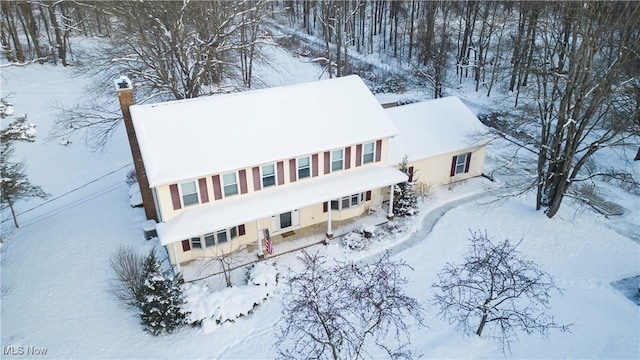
x,y
405,200
160,299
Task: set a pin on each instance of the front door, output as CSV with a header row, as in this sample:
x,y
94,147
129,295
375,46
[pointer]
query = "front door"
x,y
285,220
282,222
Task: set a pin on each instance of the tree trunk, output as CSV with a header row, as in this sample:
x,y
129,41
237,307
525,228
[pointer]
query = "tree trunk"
x,y
483,322
13,31
411,30
62,52
13,213
27,10
515,58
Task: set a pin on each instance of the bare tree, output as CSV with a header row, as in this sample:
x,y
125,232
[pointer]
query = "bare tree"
x,y
580,86
342,311
171,50
495,287
126,265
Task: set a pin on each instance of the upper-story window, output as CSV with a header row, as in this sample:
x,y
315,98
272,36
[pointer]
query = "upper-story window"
x,y
337,157
189,193
268,175
304,168
368,153
230,184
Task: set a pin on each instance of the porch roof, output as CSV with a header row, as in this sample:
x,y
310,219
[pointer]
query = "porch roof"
x,y
265,203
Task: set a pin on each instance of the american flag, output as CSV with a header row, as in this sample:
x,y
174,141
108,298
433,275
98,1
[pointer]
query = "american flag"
x,y
267,242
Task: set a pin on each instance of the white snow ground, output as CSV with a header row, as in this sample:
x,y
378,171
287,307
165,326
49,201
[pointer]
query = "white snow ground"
x,y
55,268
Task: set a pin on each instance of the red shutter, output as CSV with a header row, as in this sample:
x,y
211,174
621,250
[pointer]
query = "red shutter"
x,y
243,181
314,165
217,189
347,158
280,166
410,173
378,150
466,165
325,206
367,196
292,170
327,162
175,196
453,166
358,155
204,193
256,178
185,245
241,230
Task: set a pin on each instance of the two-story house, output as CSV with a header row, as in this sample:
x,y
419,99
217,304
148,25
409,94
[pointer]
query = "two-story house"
x,y
223,168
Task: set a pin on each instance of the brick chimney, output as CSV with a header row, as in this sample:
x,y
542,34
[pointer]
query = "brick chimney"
x,y
124,88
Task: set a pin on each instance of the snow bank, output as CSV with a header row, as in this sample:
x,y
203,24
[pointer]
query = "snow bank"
x,y
213,308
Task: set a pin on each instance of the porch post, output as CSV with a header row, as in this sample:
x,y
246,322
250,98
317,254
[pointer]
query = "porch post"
x,y
258,230
390,215
175,257
329,231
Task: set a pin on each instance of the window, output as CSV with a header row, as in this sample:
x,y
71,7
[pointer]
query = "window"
x,y
189,193
336,160
368,153
222,236
213,239
195,243
347,202
230,184
461,161
268,175
209,240
303,167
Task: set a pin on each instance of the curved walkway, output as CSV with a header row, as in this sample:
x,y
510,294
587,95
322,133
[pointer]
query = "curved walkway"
x,y
428,221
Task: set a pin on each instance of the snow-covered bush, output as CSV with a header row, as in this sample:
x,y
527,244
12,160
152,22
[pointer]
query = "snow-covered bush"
x,y
209,309
393,227
160,299
6,108
422,190
362,238
356,241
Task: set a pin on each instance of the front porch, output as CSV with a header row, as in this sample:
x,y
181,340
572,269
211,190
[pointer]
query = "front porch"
x,y
205,269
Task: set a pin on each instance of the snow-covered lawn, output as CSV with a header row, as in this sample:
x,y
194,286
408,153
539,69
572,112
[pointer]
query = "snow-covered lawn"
x,y
55,268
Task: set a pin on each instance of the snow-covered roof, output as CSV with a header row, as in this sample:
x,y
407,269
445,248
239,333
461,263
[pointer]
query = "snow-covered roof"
x,y
262,204
190,138
434,127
